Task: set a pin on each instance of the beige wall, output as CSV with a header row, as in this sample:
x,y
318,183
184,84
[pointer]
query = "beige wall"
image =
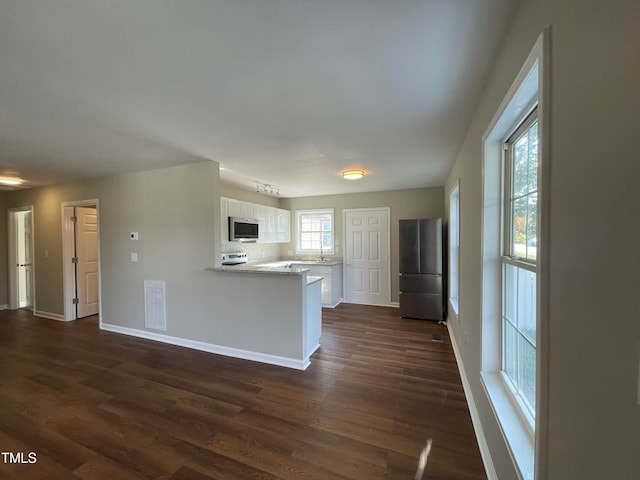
x,y
410,203
173,210
177,213
593,426
170,208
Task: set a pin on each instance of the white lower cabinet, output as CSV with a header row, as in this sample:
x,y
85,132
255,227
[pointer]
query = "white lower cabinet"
x,y
331,281
313,319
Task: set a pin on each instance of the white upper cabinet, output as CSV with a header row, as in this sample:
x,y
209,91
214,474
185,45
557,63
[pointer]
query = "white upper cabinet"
x,y
248,209
261,215
274,223
284,225
224,219
235,208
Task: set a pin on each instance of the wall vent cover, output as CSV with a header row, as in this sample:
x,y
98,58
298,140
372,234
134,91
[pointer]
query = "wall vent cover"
x,y
155,309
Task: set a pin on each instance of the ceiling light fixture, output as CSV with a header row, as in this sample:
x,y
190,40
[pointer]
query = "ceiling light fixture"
x,y
353,174
267,189
10,181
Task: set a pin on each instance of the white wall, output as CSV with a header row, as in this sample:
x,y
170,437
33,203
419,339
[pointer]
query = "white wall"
x,y
593,428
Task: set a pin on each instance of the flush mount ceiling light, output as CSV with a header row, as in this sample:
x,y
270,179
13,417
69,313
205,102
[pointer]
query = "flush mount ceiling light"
x,y
10,181
353,174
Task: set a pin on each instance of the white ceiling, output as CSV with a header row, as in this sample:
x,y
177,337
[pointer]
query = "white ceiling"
x,y
284,92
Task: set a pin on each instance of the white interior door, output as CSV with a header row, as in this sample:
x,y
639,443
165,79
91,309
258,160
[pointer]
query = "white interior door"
x,y
87,265
366,250
24,259
28,261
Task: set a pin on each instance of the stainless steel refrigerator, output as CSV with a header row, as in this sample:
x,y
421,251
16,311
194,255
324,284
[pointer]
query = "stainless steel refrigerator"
x,y
421,269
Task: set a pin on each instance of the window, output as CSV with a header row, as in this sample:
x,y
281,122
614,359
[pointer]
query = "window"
x,y
454,246
518,260
315,231
514,267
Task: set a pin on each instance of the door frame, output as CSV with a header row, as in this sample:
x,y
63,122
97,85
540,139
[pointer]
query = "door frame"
x,y
68,250
14,300
387,210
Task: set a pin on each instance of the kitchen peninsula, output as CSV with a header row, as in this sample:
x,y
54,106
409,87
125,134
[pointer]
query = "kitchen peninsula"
x,y
277,311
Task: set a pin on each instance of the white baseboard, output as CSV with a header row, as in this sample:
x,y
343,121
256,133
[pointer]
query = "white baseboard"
x,y
475,417
390,304
210,347
49,315
4,307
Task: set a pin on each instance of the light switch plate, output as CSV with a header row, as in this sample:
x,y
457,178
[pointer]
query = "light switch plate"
x,y
134,257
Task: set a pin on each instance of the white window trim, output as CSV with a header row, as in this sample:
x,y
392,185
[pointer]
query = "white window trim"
x,y
454,299
315,251
529,89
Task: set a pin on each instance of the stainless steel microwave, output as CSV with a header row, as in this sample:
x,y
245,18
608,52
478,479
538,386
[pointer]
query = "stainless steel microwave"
x,y
243,229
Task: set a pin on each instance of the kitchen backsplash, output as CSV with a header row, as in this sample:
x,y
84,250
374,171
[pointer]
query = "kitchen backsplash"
x,y
257,252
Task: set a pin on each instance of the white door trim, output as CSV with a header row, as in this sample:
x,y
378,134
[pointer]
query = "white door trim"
x,y
14,301
68,272
387,210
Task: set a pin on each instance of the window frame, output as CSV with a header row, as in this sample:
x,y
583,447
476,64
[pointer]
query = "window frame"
x,y
454,248
524,441
508,197
509,258
299,231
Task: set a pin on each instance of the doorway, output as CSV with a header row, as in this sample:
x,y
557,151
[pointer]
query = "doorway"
x,y
81,259
367,269
21,264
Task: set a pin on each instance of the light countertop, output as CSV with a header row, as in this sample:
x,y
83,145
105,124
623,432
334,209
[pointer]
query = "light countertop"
x,y
259,269
262,269
315,263
281,267
313,279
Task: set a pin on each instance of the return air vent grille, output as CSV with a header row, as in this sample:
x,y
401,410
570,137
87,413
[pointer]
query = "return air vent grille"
x,y
155,310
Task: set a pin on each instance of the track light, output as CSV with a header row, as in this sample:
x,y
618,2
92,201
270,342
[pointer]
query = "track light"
x,y
267,189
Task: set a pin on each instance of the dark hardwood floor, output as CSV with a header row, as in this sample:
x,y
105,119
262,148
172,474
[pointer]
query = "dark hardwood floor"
x,y
98,405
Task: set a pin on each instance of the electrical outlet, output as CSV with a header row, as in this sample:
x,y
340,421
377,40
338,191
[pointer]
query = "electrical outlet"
x,y
134,257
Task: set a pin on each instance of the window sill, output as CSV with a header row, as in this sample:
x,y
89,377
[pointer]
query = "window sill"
x,y
453,303
515,428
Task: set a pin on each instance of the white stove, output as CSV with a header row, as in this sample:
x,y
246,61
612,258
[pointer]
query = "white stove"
x,y
234,258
